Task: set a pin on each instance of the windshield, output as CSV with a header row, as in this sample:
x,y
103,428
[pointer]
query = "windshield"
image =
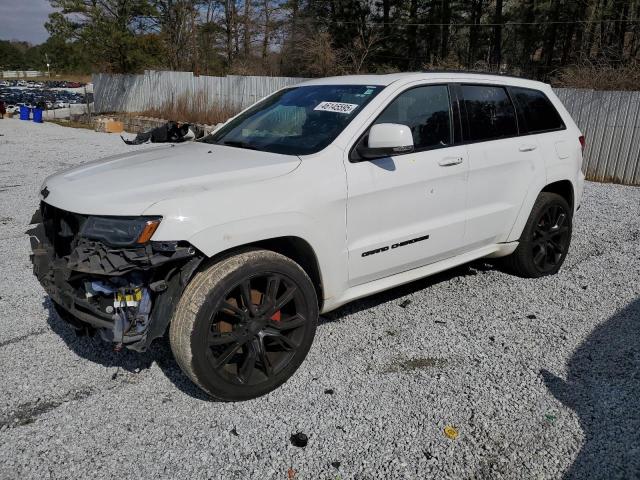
x,y
296,121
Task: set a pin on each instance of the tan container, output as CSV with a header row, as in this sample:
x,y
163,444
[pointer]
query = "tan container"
x,y
113,126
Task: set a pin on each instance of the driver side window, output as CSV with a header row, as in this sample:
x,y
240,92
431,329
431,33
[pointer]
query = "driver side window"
x,y
425,110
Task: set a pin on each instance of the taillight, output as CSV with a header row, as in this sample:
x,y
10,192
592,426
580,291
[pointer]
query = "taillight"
x,y
583,142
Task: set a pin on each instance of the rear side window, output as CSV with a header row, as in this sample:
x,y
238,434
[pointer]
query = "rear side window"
x,y
425,110
489,111
536,111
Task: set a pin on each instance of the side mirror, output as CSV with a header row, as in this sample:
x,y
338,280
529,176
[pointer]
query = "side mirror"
x,y
387,139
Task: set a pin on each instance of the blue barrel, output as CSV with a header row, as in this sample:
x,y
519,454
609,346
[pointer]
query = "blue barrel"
x,y
37,115
24,112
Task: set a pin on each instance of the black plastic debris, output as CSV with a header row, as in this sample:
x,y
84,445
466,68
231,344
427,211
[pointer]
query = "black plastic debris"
x,y
234,432
299,440
441,322
329,391
405,303
584,287
341,428
531,316
170,132
492,338
335,464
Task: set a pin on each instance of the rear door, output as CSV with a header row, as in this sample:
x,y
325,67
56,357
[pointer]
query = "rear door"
x,y
407,210
538,118
503,166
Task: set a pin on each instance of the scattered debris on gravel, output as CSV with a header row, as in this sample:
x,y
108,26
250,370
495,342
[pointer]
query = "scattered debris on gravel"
x,y
299,440
538,378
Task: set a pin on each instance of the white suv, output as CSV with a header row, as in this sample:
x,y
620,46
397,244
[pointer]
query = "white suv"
x,y
317,195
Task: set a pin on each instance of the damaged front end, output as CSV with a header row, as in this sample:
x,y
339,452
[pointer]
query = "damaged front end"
x,y
104,274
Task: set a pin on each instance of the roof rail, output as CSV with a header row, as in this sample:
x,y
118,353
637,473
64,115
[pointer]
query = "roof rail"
x,y
479,72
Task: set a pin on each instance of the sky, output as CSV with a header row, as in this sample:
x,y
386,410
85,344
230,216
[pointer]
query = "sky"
x,y
24,20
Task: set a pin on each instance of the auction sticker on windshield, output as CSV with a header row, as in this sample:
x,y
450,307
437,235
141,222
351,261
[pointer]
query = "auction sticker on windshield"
x,y
336,107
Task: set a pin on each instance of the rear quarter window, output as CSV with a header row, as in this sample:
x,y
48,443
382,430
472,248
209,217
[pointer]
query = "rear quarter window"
x,y
537,113
490,112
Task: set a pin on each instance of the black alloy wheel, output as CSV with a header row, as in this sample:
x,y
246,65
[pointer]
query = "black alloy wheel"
x,y
257,328
245,324
551,238
545,239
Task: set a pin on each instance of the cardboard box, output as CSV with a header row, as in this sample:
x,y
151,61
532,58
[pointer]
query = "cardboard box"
x,y
113,126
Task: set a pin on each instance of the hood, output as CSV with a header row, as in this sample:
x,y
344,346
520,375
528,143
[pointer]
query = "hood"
x,y
130,183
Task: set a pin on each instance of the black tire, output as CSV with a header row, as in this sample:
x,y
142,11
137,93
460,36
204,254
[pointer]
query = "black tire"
x,y
545,240
259,301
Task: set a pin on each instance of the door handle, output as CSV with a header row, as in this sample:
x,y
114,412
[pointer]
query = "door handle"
x,y
527,148
449,161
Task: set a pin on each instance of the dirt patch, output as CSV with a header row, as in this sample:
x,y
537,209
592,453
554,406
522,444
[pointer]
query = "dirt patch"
x,y
40,331
27,413
419,363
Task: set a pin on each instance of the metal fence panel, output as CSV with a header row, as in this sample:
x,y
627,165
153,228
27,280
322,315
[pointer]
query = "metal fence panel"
x,y
21,74
138,93
610,121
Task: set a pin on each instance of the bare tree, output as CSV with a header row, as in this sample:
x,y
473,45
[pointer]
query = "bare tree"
x,y
318,55
496,48
229,23
247,27
362,46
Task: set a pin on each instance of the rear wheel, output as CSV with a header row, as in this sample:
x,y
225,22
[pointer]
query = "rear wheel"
x,y
545,239
244,325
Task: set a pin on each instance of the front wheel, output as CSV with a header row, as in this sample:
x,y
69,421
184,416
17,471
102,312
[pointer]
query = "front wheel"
x,y
244,325
545,239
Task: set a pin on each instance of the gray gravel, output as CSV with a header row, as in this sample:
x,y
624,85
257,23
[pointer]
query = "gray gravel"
x,y
539,377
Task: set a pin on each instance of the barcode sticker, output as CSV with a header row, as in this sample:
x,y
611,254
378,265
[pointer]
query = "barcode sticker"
x,y
336,107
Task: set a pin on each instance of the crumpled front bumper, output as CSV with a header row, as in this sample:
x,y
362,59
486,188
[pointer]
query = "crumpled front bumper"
x,y
164,268
53,274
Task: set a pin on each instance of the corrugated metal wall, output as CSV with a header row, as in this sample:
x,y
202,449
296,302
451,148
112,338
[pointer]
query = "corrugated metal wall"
x,y
609,120
138,93
21,74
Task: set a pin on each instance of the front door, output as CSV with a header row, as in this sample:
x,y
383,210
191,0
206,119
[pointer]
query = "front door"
x,y
408,210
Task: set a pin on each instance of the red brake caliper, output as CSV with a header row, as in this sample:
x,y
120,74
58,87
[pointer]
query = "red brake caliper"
x,y
256,298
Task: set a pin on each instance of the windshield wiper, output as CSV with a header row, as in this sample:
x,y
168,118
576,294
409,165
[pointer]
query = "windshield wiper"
x,y
239,144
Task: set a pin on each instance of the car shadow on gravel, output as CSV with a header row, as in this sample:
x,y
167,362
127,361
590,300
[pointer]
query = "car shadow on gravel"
x,y
466,270
96,350
603,388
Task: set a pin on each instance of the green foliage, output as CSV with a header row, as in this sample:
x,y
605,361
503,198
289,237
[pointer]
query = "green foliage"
x,y
112,32
11,55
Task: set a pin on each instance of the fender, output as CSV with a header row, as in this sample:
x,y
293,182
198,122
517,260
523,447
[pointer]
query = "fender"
x,y
219,238
525,209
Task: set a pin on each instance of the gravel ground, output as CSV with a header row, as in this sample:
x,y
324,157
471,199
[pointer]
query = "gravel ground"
x,y
540,378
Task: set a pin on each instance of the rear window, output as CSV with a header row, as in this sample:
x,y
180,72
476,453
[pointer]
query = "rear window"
x,y
490,112
536,111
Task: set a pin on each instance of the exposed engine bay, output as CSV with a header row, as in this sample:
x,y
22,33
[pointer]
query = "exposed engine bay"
x,y
125,292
